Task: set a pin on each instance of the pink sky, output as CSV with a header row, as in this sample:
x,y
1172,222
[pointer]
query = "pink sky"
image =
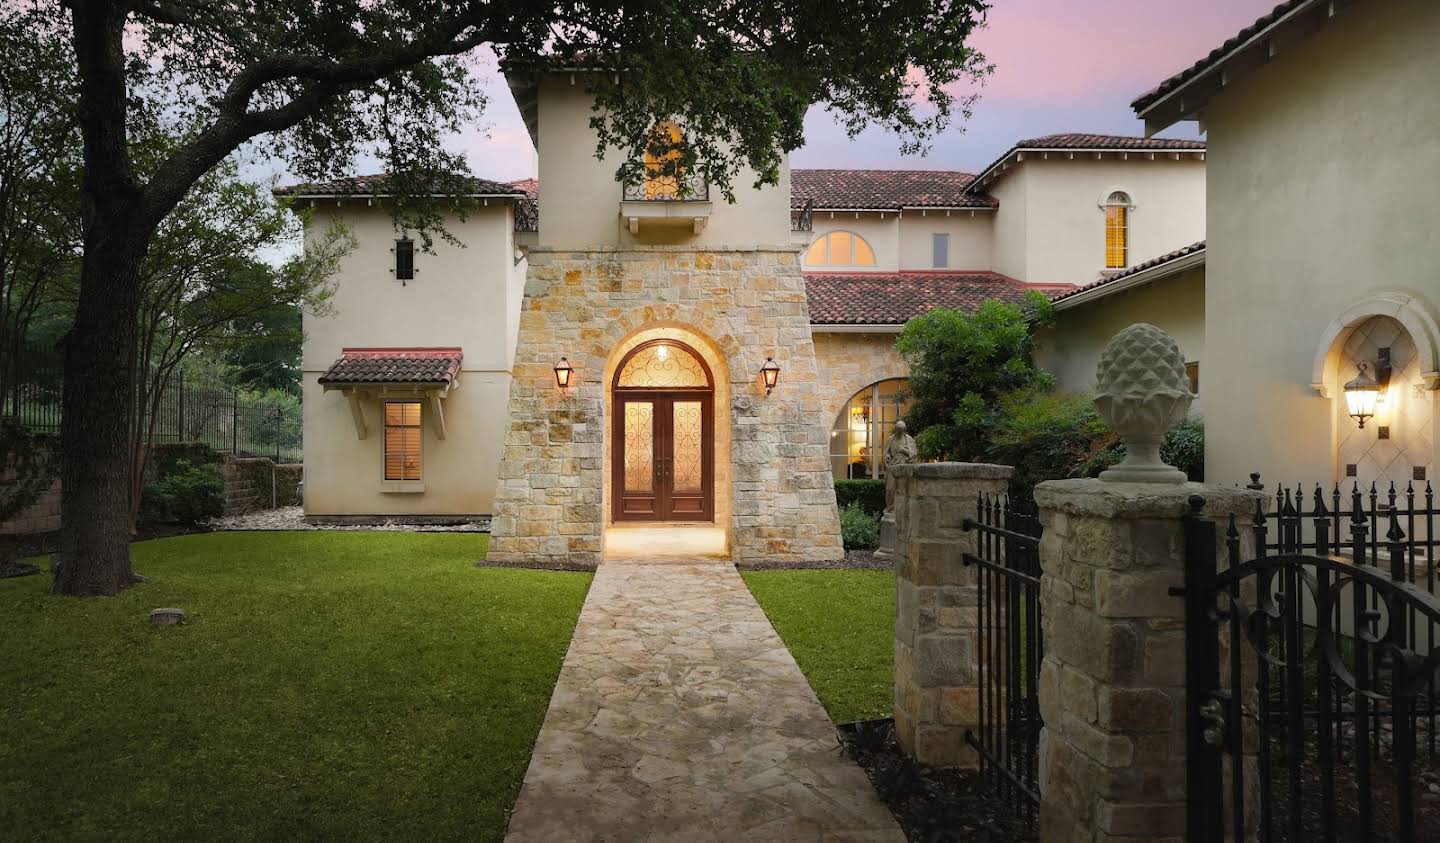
x,y
1061,66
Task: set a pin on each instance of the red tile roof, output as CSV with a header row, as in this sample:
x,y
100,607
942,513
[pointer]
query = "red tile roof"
x,y
530,187
891,298
376,184
1193,248
394,365
1214,57
884,190
1072,141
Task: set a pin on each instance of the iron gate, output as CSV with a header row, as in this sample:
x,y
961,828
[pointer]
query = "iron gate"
x,y
1309,670
1009,648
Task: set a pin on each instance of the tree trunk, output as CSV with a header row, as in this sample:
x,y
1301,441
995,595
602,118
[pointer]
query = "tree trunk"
x,y
95,454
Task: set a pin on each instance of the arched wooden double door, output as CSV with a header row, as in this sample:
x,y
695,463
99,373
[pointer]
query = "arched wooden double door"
x,y
663,459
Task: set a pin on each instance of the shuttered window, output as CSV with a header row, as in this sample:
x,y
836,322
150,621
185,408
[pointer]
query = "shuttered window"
x,y
405,260
940,250
402,440
1117,212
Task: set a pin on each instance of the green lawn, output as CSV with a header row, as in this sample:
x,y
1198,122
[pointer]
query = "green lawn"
x,y
328,685
840,626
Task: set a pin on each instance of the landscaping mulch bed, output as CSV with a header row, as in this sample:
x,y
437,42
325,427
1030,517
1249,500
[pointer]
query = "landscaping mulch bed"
x,y
931,805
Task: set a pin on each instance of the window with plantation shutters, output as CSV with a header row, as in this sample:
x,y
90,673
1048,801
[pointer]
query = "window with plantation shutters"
x,y
402,440
1117,213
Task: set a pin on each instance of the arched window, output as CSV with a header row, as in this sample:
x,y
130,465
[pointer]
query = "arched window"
x,y
662,176
857,441
1117,220
840,248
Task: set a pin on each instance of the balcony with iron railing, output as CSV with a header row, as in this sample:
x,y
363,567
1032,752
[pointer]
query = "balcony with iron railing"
x,y
682,199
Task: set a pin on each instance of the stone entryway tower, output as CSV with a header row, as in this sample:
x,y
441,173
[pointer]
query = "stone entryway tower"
x,y
773,486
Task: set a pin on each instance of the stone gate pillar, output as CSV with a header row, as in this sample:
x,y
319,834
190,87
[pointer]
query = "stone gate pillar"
x,y
936,617
1112,685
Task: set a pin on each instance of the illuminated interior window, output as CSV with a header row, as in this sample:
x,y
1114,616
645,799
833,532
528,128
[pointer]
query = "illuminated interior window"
x,y
1117,219
864,425
840,248
402,440
660,154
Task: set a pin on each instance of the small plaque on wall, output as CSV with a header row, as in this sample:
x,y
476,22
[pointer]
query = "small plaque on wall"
x,y
1350,469
1418,472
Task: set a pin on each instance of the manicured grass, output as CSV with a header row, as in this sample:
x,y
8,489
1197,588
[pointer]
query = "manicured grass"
x,y
327,685
840,626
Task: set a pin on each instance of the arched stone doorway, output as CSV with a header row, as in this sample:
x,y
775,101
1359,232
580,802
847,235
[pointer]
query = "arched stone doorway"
x,y
663,430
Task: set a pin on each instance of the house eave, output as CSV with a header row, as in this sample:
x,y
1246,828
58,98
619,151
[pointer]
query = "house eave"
x,y
1130,282
854,328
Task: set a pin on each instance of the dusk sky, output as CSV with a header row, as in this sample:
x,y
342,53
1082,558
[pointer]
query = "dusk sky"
x,y
1060,66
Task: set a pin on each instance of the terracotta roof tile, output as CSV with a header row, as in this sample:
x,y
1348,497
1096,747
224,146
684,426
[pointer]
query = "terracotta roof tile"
x,y
1193,248
375,185
891,298
1079,140
394,365
1214,56
884,190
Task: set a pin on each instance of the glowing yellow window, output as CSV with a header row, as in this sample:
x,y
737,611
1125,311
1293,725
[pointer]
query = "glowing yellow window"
x,y
402,440
840,248
1117,212
662,179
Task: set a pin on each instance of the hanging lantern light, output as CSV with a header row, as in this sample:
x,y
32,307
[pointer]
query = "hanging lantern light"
x,y
771,373
1361,396
563,371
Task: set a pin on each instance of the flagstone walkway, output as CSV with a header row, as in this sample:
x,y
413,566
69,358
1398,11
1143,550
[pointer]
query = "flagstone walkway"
x,y
680,715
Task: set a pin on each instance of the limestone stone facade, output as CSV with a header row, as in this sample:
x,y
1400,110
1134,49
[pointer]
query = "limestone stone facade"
x,y
937,656
1112,685
849,362
736,306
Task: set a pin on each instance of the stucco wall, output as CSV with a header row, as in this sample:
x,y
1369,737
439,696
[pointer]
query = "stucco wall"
x,y
1071,349
1316,201
461,296
580,198
971,236
1010,249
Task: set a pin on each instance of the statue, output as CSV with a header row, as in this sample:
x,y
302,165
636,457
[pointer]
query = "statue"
x,y
1142,393
900,450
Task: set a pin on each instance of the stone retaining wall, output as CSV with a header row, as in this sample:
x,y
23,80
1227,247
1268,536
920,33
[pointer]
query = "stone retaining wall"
x,y
253,483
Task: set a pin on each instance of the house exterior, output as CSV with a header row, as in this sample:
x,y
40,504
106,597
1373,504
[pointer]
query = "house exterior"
x,y
1320,255
592,356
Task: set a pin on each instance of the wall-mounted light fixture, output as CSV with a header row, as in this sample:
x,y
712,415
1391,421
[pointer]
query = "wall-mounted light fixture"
x,y
1361,396
771,373
563,371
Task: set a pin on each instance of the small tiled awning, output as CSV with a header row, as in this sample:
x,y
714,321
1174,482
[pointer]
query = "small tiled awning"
x,y
361,372
424,367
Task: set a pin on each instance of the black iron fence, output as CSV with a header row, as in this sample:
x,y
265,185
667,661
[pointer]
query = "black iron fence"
x,y
1010,649
1311,669
803,218
221,416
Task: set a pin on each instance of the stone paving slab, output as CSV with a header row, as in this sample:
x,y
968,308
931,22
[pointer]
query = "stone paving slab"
x,y
680,715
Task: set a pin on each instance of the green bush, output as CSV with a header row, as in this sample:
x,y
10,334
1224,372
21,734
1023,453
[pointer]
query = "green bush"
x,y
859,529
189,495
1184,448
869,495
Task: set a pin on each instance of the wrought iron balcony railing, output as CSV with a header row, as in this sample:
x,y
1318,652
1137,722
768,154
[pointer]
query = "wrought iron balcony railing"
x,y
803,219
683,187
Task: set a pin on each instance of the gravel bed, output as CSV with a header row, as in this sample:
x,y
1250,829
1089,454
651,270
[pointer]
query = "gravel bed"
x,y
293,518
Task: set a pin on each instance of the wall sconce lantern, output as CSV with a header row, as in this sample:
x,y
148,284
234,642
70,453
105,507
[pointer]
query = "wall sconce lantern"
x,y
771,373
563,371
1361,396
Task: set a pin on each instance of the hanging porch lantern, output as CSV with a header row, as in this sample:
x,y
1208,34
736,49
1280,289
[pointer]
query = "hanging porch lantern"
x,y
1361,396
563,371
771,373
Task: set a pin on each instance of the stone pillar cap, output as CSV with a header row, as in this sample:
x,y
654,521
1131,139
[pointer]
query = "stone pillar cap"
x,y
1089,496
954,470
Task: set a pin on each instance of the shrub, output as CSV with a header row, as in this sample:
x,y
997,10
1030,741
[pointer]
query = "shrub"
x,y
1184,448
1050,436
859,529
869,495
189,495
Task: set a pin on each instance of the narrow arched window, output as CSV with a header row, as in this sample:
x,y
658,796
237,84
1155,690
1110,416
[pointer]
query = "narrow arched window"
x,y
662,162
840,248
1117,221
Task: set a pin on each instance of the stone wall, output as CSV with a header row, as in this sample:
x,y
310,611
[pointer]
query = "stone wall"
x,y
258,483
43,516
746,304
850,362
936,615
1112,685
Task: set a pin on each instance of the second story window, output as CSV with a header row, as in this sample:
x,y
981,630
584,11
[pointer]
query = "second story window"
x,y
940,249
404,260
840,248
1117,220
662,162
